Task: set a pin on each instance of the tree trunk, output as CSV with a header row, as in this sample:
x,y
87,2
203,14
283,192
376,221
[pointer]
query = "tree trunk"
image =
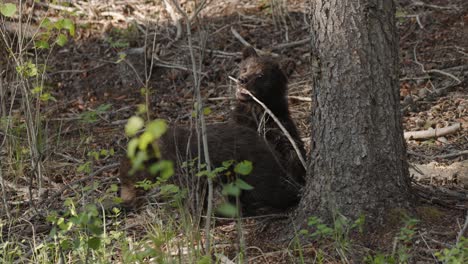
x,y
358,163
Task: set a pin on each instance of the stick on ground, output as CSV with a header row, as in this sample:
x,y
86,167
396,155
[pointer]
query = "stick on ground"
x,y
430,133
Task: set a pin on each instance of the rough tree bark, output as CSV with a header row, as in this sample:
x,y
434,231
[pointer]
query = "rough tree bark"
x,y
358,160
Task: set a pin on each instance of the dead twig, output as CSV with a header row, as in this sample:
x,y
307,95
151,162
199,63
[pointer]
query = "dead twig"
x,y
430,133
463,230
417,19
433,70
420,3
444,156
300,98
247,44
90,176
240,38
291,44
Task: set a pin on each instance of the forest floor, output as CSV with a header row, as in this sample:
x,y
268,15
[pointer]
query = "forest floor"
x,y
96,89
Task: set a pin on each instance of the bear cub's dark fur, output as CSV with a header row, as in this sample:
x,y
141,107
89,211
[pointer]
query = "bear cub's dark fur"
x,y
273,190
268,81
277,176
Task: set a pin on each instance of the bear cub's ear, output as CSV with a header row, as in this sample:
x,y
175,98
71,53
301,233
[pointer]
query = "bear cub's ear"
x,y
288,66
248,52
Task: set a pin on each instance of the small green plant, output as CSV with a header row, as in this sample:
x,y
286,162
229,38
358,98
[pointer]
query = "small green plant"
x,y
455,255
401,252
79,233
122,38
338,233
95,155
82,232
7,9
144,151
234,188
402,244
92,116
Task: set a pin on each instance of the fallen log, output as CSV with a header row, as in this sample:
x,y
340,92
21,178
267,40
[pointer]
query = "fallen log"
x,y
430,133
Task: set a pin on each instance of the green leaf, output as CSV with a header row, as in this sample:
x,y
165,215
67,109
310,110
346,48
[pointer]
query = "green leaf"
x,y
41,44
61,40
157,128
145,139
138,161
206,111
312,221
66,244
65,226
69,25
94,243
145,184
218,170
165,167
46,23
231,189
37,89
47,97
142,109
103,108
122,57
86,167
8,9
169,189
244,167
227,163
132,147
204,260
168,169
243,185
202,173
134,124
28,69
113,188
227,210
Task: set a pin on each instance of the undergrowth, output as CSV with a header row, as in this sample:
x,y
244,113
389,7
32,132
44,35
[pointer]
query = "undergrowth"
x,y
86,229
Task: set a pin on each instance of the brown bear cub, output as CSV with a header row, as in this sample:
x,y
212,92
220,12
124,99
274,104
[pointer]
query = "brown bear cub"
x,y
268,82
277,176
273,189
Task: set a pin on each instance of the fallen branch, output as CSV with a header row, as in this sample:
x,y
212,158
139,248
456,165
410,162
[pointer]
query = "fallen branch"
x,y
443,156
89,177
430,133
433,70
247,44
300,98
291,44
240,38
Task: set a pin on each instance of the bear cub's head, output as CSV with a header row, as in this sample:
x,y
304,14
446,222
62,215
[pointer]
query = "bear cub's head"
x,y
264,77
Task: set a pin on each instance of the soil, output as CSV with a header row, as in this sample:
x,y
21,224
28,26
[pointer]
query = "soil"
x,y
85,76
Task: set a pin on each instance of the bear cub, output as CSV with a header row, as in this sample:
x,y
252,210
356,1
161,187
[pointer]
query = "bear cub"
x,y
267,80
277,176
273,191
